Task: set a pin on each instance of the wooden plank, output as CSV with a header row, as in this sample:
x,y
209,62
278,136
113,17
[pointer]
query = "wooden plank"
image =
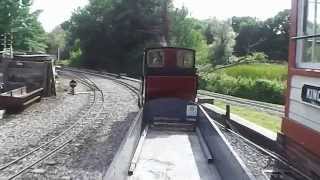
x,y
31,100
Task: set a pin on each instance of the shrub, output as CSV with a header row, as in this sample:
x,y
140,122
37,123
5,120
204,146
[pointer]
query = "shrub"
x,y
255,89
75,57
257,71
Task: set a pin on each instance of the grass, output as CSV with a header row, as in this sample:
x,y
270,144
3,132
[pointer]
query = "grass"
x,y
258,71
259,81
63,62
262,119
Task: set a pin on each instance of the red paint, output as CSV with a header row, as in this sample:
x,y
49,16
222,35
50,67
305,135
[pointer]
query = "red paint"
x,y
306,72
307,137
292,52
183,87
170,58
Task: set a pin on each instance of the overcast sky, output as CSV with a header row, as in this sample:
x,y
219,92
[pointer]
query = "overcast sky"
x,y
57,11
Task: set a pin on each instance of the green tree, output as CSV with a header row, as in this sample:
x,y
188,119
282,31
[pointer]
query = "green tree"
x,y
221,41
113,33
57,40
270,36
16,18
276,31
249,34
187,32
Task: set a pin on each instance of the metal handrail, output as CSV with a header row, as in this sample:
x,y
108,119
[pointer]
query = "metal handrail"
x,y
305,37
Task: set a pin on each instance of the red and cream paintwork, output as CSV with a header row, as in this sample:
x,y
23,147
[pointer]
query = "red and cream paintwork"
x,y
301,124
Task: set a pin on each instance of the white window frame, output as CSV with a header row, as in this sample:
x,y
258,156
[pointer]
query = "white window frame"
x,y
300,48
179,53
151,65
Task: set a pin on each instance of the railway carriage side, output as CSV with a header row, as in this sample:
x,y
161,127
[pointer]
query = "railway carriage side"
x,y
300,136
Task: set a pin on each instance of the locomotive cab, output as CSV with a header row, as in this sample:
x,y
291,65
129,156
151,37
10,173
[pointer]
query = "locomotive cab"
x,y
170,80
170,73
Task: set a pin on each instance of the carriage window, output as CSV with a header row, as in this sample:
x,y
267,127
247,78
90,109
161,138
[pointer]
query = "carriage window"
x,y
155,58
185,59
308,55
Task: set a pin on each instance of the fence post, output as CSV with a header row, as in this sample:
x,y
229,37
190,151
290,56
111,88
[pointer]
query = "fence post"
x,y
227,117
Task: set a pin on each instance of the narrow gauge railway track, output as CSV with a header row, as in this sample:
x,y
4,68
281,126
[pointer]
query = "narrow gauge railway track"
x,y
272,108
286,170
25,162
130,83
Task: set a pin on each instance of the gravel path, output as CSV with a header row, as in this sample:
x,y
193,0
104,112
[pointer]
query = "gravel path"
x,y
91,153
21,132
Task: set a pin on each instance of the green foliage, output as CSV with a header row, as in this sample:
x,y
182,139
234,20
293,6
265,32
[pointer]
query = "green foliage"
x,y
220,36
75,58
16,18
114,33
76,55
263,82
186,32
56,39
270,36
256,89
257,71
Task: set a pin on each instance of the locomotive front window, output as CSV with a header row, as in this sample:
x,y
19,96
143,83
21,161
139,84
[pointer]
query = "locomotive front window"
x,y
308,40
185,59
155,58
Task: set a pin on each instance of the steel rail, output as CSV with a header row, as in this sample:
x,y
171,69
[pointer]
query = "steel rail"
x,y
94,88
262,150
274,108
278,109
113,77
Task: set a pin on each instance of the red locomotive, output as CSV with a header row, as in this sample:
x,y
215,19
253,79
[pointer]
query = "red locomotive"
x,y
170,72
170,80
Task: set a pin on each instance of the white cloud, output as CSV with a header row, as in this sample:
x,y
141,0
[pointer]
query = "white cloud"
x,y
224,9
56,11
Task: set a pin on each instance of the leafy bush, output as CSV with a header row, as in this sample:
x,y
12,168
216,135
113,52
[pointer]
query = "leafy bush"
x,y
76,54
255,89
257,71
75,57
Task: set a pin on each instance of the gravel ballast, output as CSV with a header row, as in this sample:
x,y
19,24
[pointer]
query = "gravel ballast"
x,y
90,154
259,162
19,133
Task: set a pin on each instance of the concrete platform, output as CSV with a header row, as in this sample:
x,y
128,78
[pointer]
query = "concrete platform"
x,y
173,155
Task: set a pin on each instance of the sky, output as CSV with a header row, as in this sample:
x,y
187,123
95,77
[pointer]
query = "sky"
x,y
57,11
